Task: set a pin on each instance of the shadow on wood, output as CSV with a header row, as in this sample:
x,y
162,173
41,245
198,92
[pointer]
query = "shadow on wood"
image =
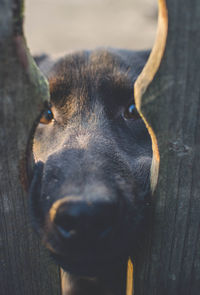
x,y
25,267
168,96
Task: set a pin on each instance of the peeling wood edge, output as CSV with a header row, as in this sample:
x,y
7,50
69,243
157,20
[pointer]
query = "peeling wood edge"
x,y
36,78
146,77
129,281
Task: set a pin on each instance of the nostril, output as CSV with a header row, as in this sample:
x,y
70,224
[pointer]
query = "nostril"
x,y
103,223
66,224
88,221
66,233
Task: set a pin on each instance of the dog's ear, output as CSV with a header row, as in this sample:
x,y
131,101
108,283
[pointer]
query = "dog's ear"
x,y
40,58
135,59
45,63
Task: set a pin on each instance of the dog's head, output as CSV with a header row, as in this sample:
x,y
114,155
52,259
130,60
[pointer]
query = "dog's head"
x,y
90,192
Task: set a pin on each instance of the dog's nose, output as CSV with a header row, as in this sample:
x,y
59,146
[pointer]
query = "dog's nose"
x,y
81,219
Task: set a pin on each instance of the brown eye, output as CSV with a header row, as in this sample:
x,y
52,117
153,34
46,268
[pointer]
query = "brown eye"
x,y
46,117
131,112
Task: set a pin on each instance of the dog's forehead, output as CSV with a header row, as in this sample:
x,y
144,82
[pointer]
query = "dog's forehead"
x,y
90,76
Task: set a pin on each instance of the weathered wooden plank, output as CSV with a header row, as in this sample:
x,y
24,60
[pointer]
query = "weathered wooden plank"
x,y
169,99
24,266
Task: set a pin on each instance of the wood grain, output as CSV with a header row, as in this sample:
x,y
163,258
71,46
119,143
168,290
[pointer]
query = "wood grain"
x,y
170,102
25,268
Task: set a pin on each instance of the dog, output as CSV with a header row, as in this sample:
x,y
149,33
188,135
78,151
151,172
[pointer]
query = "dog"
x,y
90,194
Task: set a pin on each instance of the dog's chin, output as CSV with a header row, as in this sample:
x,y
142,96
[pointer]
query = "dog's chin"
x,y
89,266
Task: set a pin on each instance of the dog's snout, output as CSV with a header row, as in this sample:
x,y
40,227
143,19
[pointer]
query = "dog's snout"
x,y
81,219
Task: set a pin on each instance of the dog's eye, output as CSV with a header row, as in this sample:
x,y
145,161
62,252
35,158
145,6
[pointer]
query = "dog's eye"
x,y
47,117
131,112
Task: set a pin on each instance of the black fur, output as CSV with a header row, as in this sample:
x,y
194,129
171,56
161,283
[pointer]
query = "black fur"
x,y
95,157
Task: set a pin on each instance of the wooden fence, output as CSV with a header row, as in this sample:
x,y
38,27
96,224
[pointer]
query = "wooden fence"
x,y
168,96
25,268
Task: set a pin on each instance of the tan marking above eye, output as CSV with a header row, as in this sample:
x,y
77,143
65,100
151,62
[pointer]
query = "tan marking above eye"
x,y
47,117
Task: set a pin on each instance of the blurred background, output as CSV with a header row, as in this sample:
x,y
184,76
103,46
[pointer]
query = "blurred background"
x,y
60,26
